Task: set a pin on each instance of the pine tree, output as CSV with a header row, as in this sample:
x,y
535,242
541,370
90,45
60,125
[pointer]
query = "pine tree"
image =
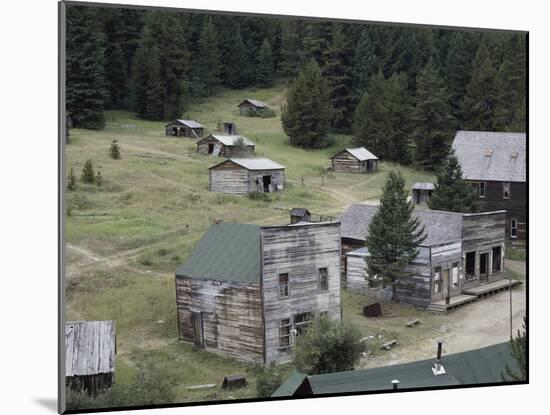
x,y
86,91
365,63
394,236
434,124
88,173
452,193
315,42
208,67
236,62
518,348
291,54
265,70
337,71
306,113
114,150
71,180
399,113
478,107
154,97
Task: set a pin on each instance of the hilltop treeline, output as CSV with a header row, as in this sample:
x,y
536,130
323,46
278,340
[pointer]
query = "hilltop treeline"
x,y
386,84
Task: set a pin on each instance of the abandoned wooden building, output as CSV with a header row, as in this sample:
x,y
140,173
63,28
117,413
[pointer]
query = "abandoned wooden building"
x,y
472,367
247,291
225,146
90,348
185,128
240,176
227,128
354,160
421,192
299,215
495,164
251,105
462,255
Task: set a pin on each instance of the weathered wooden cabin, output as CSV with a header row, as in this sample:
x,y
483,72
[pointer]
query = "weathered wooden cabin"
x,y
421,192
185,128
248,291
240,176
225,146
461,251
495,164
299,215
251,105
354,160
90,348
227,128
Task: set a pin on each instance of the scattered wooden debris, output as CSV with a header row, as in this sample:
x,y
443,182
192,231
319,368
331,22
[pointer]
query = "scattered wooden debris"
x,y
413,323
233,382
206,386
389,345
372,310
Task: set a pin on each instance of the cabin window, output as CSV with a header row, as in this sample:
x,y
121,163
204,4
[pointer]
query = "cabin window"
x,y
284,333
323,279
302,322
506,190
437,280
482,190
513,228
283,286
454,274
497,259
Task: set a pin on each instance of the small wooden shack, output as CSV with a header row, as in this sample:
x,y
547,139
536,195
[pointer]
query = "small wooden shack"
x,y
227,128
90,348
185,128
225,146
240,176
251,105
299,215
421,192
354,160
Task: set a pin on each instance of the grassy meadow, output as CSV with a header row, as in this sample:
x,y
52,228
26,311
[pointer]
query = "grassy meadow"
x,y
126,238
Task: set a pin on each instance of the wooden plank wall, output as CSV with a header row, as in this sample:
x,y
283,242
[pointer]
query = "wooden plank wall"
x,y
299,251
229,178
356,273
226,151
346,163
277,177
231,315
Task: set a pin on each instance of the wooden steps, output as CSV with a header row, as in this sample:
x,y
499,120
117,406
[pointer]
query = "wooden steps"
x,y
456,301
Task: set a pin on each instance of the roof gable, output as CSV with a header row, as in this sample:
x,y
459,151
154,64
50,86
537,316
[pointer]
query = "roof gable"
x,y
253,163
360,153
485,155
229,140
255,102
187,123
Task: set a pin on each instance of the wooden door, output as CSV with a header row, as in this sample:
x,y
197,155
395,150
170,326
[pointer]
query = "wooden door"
x,y
198,338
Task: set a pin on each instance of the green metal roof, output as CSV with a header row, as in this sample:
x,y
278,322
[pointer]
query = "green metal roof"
x,y
290,385
472,367
227,252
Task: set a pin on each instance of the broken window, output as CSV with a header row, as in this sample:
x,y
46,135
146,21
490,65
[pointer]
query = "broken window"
x,y
470,266
513,228
497,259
323,279
437,280
454,274
506,190
481,190
283,285
302,322
284,333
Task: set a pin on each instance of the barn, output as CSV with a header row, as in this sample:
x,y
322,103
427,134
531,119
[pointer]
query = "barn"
x,y
421,192
185,128
354,160
248,291
494,163
462,256
251,105
225,146
90,348
240,176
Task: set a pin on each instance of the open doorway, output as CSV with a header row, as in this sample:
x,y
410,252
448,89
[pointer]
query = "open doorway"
x,y
470,268
497,259
266,181
198,337
484,266
210,148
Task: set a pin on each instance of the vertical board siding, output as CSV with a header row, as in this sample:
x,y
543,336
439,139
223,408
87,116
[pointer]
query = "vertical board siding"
x,y
356,274
300,252
231,316
346,163
231,181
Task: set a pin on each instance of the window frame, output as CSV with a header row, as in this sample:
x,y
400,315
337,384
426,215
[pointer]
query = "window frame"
x,y
513,235
286,325
481,193
303,324
285,286
506,189
322,279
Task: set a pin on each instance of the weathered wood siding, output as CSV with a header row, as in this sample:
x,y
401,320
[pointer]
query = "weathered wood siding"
x,y
231,178
346,163
183,130
356,274
231,316
244,108
225,151
299,251
277,178
445,256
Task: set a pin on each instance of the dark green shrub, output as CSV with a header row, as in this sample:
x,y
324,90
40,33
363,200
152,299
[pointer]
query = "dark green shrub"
x,y
114,150
88,173
71,180
264,197
267,381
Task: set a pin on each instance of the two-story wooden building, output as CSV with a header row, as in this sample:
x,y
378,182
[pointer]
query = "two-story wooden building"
x,y
495,164
247,291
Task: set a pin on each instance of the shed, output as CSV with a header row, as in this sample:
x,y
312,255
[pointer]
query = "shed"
x,y
354,160
241,176
227,128
421,192
90,348
299,215
226,146
251,105
186,128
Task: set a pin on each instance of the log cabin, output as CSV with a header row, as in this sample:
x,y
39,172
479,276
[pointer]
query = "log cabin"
x,y
241,176
462,251
495,165
225,146
90,348
421,192
248,291
185,128
354,160
251,105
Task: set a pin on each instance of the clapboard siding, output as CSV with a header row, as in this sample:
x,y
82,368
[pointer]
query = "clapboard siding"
x,y
416,289
300,252
345,162
231,316
356,274
231,178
